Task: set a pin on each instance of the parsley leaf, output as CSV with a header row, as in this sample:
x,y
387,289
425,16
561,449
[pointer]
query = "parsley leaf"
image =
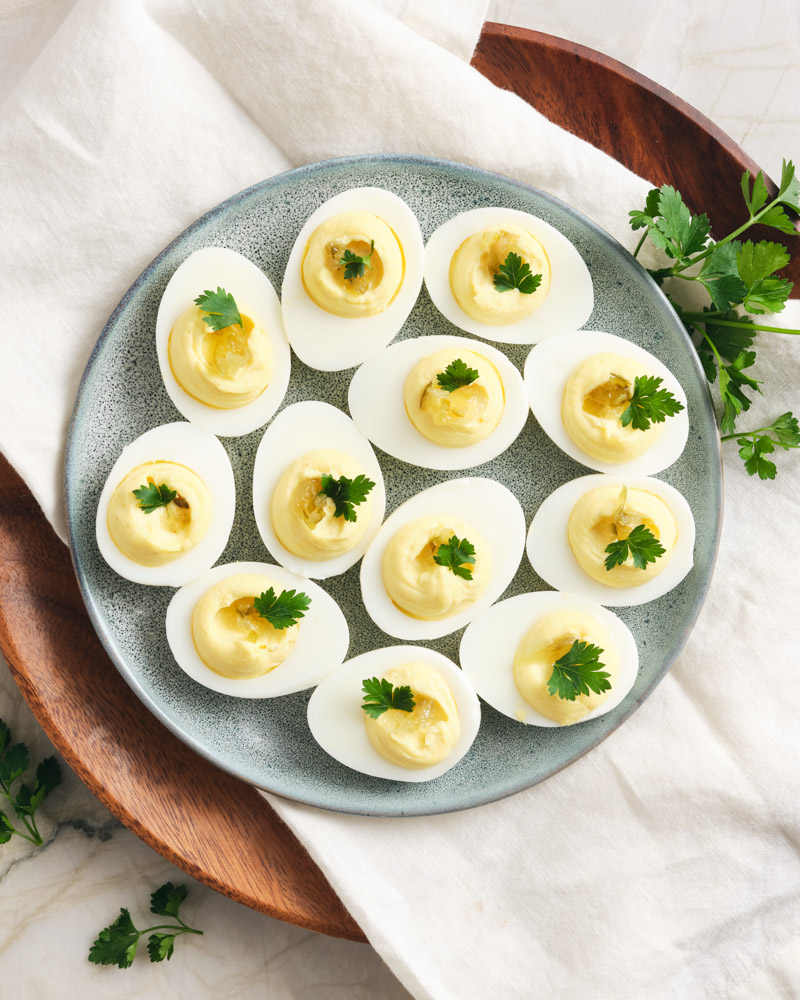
x,y
346,494
721,276
380,696
732,382
456,375
649,403
578,671
14,761
151,497
354,265
220,309
789,190
641,544
755,263
117,943
283,610
516,273
457,555
754,445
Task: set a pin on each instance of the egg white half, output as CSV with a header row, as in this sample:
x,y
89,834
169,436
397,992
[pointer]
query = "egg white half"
x,y
487,505
569,302
322,640
547,370
210,268
332,343
199,451
300,428
336,718
490,643
376,402
550,554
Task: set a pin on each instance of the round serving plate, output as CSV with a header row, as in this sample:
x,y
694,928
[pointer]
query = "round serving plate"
x,y
267,743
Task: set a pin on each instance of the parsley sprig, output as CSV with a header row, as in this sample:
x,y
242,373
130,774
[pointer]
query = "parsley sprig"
x,y
458,555
346,494
117,943
220,309
354,265
282,610
456,375
754,445
14,761
649,403
381,695
736,275
516,273
641,544
578,671
150,497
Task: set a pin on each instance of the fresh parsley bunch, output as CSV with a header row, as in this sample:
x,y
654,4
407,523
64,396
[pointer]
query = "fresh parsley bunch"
x,y
737,276
14,761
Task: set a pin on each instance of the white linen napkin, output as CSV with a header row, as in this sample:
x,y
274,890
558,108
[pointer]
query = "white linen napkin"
x,y
665,863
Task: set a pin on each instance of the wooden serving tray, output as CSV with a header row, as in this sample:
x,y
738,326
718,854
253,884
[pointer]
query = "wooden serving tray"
x,y
214,827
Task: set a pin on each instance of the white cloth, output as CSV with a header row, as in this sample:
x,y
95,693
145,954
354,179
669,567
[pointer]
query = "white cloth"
x,y
665,863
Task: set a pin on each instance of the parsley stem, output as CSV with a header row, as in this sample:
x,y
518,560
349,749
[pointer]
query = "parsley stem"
x,y
170,927
709,316
641,241
741,434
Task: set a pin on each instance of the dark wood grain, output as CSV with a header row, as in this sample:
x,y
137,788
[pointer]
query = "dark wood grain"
x,y
211,825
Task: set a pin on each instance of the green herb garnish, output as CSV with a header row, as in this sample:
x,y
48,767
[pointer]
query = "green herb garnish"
x,y
578,671
151,497
641,544
346,494
354,265
380,696
754,445
284,610
14,761
116,944
456,375
516,273
220,309
649,403
457,555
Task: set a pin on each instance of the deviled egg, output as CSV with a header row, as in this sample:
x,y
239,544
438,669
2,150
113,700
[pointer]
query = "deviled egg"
x,y
433,726
353,276
507,276
618,542
223,354
510,655
166,510
439,402
254,630
442,558
580,386
318,492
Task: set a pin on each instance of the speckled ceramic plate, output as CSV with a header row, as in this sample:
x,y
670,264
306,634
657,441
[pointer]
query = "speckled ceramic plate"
x,y
267,743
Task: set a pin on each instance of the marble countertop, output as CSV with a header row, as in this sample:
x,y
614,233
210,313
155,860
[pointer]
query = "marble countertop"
x,y
736,62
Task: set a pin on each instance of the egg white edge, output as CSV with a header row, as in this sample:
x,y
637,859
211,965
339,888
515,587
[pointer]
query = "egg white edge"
x,y
212,267
322,629
545,388
199,451
504,533
350,341
378,388
503,628
569,302
277,450
549,529
341,692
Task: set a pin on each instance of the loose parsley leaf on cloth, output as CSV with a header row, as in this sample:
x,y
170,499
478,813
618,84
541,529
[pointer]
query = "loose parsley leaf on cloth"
x,y
151,497
754,445
346,494
14,761
117,943
578,671
380,696
456,375
649,403
354,265
283,610
457,555
641,544
220,309
514,273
